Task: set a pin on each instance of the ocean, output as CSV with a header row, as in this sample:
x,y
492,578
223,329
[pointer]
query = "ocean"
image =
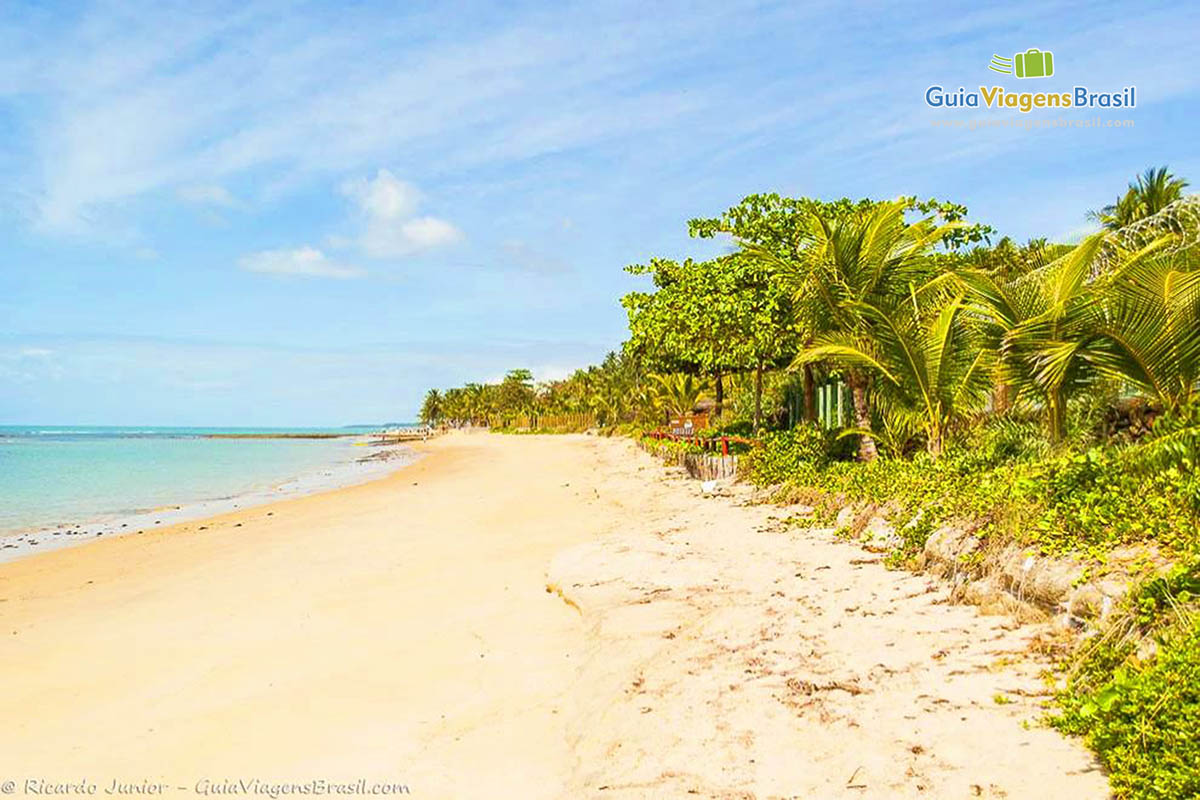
x,y
62,476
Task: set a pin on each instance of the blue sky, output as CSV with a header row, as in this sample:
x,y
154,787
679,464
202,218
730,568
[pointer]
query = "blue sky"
x,y
279,213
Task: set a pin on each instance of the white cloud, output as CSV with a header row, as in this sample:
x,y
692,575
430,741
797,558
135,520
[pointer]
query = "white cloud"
x,y
387,207
385,197
170,97
25,352
424,232
306,261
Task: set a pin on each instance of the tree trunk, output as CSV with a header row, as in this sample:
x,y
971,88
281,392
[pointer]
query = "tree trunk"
x,y
1056,406
934,443
718,378
1001,398
867,451
758,395
810,394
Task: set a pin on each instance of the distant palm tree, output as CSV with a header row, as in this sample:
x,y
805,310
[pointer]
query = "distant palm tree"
x,y
475,400
432,409
1149,193
678,394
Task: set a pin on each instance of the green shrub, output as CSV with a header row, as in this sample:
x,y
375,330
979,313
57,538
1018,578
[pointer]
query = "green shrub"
x,y
1095,499
785,455
741,427
1003,479
1141,715
665,447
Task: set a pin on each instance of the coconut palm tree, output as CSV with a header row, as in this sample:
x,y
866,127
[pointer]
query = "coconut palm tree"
x,y
432,408
1037,325
1146,325
678,393
930,371
1149,193
847,266
475,402
1056,329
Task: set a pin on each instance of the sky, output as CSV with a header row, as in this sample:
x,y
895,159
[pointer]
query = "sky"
x,y
269,213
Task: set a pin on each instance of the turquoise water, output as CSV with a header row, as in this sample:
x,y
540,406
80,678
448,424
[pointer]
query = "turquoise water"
x,y
58,475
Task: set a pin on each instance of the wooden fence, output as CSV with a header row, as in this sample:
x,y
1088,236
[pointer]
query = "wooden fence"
x,y
714,464
576,422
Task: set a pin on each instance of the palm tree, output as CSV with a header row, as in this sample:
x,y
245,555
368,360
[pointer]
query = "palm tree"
x,y
1056,329
475,402
847,265
1149,193
431,408
930,369
1036,324
1147,324
678,393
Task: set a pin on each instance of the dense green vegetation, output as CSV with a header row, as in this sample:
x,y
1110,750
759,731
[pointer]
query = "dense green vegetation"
x,y
889,354
1134,690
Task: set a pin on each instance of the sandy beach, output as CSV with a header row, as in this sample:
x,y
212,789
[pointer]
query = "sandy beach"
x,y
515,616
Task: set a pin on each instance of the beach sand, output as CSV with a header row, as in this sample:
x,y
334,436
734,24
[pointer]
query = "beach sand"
x,y
402,631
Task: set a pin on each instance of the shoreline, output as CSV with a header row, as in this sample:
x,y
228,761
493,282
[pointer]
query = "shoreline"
x,y
524,617
381,462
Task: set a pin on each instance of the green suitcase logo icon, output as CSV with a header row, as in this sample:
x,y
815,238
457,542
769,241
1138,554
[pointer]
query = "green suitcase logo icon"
x,y
1033,63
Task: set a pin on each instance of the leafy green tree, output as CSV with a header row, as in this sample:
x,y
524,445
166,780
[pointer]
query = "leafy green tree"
x,y
782,227
515,395
708,317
